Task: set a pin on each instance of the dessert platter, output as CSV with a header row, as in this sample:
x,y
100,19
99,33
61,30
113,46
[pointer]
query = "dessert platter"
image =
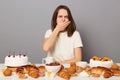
x,y
18,67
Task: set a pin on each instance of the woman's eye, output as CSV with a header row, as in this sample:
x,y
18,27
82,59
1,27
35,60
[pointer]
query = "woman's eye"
x,y
60,16
66,16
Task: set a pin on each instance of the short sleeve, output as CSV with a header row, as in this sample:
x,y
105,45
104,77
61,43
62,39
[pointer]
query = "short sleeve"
x,y
48,33
77,40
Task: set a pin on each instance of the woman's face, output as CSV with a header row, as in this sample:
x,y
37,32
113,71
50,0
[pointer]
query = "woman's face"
x,y
62,16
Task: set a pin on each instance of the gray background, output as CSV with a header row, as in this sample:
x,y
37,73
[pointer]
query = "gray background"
x,y
23,24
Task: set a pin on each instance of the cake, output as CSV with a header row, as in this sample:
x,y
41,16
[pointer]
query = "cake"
x,y
98,61
16,60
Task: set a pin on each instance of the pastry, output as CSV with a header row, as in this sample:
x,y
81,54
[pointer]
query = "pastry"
x,y
20,72
114,66
99,61
79,69
42,70
96,71
13,69
33,72
116,72
16,60
96,58
66,73
7,72
105,59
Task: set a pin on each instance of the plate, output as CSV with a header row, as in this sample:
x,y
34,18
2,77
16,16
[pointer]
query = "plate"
x,y
18,65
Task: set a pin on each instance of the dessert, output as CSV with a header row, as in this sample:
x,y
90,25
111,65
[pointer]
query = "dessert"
x,y
20,73
66,73
98,61
16,60
7,72
42,70
52,69
33,71
97,71
115,66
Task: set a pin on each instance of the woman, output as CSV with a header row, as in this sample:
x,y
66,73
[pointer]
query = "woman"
x,y
62,41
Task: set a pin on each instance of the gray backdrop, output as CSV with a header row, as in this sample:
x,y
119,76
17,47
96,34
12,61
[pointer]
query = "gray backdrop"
x,y
23,24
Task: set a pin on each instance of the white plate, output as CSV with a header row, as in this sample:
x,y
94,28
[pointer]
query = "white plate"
x,y
20,65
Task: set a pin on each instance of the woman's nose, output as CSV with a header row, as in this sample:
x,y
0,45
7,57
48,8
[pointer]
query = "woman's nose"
x,y
63,19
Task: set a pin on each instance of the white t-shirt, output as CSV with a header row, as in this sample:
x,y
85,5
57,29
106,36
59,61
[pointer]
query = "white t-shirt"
x,y
64,47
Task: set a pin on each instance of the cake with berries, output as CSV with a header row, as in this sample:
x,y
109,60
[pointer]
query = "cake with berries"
x,y
16,60
101,61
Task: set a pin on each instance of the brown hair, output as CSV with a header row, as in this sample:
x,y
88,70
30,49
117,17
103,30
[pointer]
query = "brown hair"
x,y
71,27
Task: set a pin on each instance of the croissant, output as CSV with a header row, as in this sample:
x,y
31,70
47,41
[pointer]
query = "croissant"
x,y
116,72
97,71
66,73
20,73
33,72
79,69
115,66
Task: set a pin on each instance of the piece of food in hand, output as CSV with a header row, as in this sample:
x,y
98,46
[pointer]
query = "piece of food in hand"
x,y
42,70
7,72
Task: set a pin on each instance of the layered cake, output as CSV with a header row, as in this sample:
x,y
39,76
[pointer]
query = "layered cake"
x,y
98,61
16,60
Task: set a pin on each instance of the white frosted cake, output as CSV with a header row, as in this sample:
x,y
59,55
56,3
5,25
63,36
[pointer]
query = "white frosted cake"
x,y
16,60
104,62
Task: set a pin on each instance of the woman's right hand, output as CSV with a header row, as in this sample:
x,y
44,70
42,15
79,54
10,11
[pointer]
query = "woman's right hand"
x,y
62,26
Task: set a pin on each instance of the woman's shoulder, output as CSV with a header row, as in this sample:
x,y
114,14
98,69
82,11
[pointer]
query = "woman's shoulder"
x,y
49,31
76,32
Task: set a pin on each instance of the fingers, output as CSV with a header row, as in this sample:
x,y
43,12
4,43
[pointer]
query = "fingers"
x,y
67,23
62,25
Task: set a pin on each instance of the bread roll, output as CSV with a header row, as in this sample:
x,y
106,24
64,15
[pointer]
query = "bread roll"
x,y
7,72
42,70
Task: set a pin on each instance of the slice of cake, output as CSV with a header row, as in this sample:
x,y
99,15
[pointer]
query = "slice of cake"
x,y
98,61
16,60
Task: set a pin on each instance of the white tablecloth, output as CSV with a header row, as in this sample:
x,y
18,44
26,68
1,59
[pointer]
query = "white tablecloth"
x,y
15,77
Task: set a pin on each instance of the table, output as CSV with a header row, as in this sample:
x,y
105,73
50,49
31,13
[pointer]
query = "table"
x,y
15,77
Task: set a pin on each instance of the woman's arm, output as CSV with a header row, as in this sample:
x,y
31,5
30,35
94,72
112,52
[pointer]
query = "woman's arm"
x,y
77,56
48,43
